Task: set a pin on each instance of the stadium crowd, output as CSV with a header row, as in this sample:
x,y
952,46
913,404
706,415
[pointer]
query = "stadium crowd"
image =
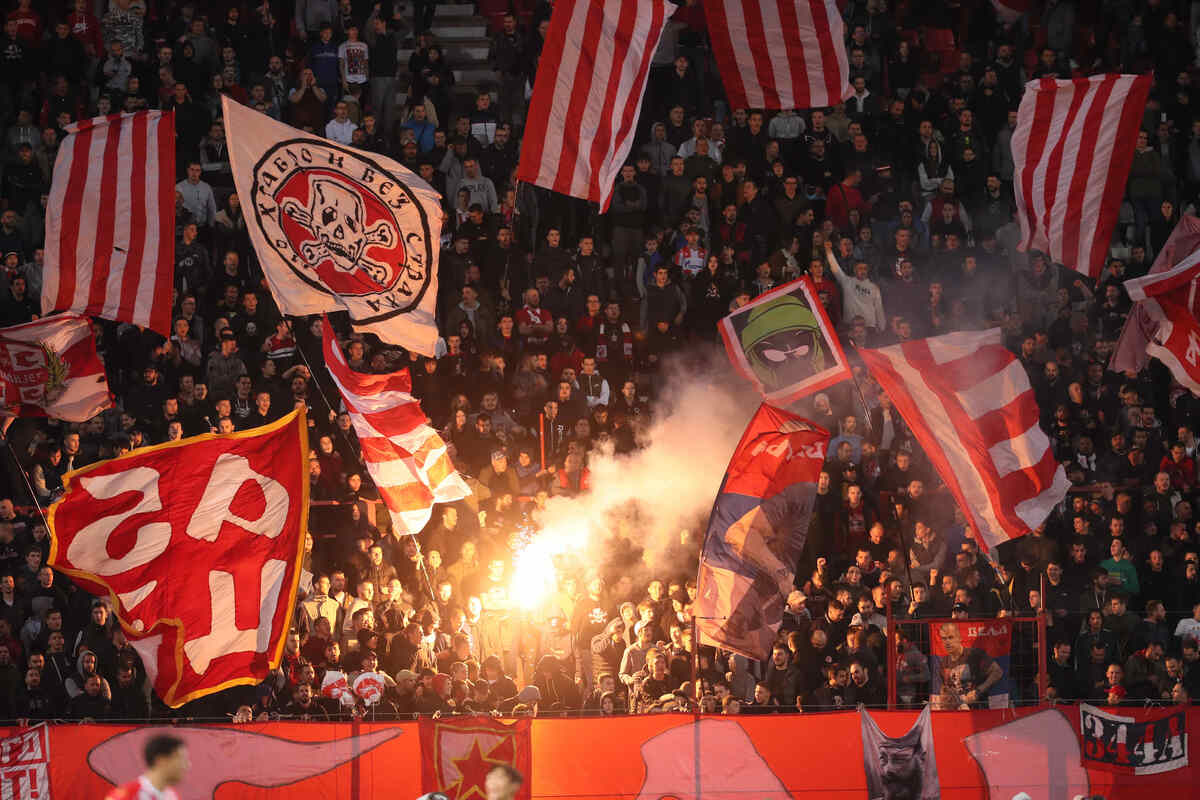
x,y
556,320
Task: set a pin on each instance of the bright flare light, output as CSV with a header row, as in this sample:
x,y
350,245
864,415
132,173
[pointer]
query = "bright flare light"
x,y
533,573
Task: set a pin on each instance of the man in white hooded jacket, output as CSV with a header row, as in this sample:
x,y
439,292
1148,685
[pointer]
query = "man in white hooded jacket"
x,y
860,296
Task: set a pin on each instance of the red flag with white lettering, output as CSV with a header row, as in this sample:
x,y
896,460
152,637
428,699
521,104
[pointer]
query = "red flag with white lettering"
x,y
197,545
1172,299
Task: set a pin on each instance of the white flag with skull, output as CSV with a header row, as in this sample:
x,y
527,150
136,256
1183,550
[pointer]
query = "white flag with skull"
x,y
337,228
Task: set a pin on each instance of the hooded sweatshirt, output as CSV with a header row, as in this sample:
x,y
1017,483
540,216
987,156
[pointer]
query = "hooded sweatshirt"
x,y
859,297
74,684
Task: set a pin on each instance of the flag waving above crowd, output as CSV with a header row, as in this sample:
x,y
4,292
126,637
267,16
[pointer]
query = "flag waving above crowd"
x,y
758,527
406,458
783,343
1172,299
50,368
584,110
338,229
971,407
1071,151
1163,321
780,54
196,545
110,220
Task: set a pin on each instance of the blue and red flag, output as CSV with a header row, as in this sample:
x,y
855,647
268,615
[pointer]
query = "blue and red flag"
x,y
758,527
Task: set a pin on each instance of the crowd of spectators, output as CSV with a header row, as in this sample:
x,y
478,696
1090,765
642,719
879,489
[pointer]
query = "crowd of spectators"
x,y
555,321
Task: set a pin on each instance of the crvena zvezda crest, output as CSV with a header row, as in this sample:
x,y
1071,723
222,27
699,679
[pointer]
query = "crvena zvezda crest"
x,y
457,754
344,224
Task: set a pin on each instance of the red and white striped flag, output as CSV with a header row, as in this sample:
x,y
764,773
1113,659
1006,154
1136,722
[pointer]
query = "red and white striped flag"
x,y
1072,150
779,53
405,457
110,220
970,405
588,92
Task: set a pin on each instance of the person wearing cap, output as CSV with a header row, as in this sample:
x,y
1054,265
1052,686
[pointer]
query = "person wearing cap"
x,y
633,661
530,697
405,694
437,698
224,365
498,477
608,648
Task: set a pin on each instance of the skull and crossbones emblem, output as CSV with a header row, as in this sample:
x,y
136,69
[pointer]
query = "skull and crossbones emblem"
x,y
336,219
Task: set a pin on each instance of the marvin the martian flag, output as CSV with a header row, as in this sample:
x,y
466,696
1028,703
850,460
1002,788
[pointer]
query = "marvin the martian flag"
x,y
783,343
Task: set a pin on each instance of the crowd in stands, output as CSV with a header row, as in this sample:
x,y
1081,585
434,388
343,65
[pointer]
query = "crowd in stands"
x,y
556,320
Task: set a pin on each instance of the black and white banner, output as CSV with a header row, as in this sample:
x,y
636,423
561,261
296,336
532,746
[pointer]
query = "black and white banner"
x,y
1123,744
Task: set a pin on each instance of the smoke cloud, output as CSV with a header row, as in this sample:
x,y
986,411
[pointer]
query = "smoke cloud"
x,y
649,496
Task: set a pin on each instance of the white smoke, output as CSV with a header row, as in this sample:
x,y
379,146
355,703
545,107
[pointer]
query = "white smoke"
x,y
665,487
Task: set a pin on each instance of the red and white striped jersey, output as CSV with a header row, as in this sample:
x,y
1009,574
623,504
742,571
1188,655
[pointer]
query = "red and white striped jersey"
x,y
968,401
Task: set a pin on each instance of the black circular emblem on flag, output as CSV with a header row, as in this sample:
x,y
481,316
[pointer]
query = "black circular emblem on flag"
x,y
345,225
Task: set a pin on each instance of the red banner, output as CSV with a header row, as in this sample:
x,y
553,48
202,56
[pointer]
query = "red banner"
x,y
980,755
25,764
458,753
197,546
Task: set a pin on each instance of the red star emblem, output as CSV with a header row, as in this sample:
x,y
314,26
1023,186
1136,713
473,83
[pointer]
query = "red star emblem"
x,y
474,767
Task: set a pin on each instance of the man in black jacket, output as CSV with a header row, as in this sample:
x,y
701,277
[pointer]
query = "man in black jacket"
x,y
509,56
1062,675
782,677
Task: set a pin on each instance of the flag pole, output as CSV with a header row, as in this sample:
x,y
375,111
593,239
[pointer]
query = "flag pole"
x,y
8,421
862,400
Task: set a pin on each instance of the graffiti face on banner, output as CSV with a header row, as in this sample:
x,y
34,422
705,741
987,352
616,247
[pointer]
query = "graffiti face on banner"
x,y
900,767
345,226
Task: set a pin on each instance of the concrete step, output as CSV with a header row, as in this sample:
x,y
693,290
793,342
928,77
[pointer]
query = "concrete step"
x,y
465,53
474,77
454,10
457,29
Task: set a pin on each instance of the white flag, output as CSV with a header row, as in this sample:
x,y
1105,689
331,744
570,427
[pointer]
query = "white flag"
x,y
337,228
